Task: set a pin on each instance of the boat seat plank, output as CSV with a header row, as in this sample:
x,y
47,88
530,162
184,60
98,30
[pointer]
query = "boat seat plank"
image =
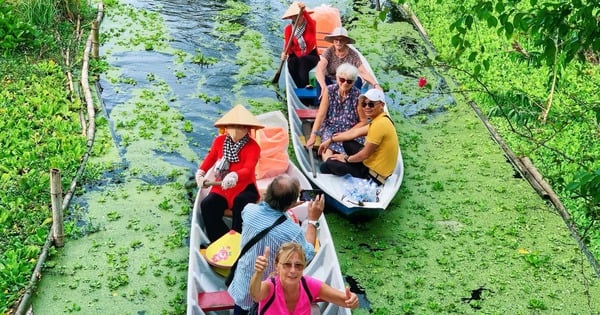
x,y
309,95
215,301
308,113
317,141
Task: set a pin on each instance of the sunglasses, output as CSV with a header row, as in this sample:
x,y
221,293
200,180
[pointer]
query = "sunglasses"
x,y
345,80
371,104
297,266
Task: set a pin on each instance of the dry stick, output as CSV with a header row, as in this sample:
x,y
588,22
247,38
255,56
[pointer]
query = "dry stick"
x,y
287,47
25,302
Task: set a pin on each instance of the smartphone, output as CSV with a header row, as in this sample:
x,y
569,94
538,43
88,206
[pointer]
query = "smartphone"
x,y
309,194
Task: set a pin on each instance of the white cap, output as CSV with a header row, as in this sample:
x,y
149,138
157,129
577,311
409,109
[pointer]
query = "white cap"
x,y
374,95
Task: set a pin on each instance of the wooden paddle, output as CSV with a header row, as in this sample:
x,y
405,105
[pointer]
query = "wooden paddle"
x,y
287,46
312,162
211,183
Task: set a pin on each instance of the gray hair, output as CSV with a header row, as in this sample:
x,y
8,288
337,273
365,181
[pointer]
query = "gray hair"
x,y
347,71
282,193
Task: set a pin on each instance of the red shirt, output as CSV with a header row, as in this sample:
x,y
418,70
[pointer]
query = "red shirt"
x,y
245,167
310,36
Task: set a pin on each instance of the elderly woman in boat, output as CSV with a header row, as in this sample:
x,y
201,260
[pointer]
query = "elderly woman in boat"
x,y
300,48
337,54
288,291
234,156
338,112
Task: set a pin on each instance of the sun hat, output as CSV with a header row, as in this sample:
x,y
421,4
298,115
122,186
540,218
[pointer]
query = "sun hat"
x,y
374,95
239,115
294,10
339,31
223,253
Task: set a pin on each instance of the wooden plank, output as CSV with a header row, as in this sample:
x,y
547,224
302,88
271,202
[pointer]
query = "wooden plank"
x,y
307,113
215,301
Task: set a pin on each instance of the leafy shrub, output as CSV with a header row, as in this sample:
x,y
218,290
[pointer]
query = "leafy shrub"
x,y
17,35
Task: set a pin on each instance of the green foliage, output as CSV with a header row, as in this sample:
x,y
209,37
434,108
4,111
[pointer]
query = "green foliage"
x,y
532,66
16,35
40,131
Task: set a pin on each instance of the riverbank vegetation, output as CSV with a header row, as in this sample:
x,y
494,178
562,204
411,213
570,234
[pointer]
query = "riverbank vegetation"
x,y
40,127
532,67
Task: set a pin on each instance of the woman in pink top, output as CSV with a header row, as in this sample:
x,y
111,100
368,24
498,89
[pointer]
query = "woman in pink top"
x,y
289,292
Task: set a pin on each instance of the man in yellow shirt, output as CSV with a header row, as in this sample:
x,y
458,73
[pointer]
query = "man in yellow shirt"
x,y
377,158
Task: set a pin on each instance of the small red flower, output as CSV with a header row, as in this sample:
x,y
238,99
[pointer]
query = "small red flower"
x,y
422,82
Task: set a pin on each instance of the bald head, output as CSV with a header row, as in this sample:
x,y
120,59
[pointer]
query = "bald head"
x,y
282,193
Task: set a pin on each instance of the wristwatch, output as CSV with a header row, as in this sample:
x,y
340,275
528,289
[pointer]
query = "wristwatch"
x,y
315,223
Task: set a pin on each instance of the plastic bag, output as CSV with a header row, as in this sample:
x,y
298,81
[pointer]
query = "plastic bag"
x,y
360,189
273,159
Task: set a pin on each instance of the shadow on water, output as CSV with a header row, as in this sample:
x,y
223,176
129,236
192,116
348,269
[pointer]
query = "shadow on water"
x,y
355,287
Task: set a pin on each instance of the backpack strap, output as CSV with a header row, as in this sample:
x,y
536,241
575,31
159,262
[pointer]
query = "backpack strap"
x,y
305,286
271,299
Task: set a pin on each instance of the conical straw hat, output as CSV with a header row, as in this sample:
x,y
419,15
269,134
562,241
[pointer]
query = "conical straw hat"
x,y
294,10
239,115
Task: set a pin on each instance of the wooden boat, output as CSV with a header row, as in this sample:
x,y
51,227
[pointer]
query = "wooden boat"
x,y
301,110
206,290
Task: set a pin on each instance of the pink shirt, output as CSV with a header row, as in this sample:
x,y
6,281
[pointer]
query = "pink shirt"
x,y
278,307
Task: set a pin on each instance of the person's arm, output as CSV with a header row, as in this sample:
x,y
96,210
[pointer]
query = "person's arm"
x,y
287,33
315,209
344,299
320,72
212,155
260,289
366,75
350,134
321,113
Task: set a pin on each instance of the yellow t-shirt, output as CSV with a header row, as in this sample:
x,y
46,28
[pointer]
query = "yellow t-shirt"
x,y
382,133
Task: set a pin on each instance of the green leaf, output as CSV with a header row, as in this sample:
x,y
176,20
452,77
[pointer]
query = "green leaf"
x,y
472,56
492,21
508,29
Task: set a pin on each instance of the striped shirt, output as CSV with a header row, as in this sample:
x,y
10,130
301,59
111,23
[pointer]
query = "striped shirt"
x,y
258,217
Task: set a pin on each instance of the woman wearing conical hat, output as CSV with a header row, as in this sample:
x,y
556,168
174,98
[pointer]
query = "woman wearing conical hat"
x,y
302,54
338,54
234,156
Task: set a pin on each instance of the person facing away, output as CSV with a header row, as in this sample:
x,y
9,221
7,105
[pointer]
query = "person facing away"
x,y
338,112
234,156
302,54
281,195
375,159
288,290
338,53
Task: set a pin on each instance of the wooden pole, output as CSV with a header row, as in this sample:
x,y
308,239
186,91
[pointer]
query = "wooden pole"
x,y
95,41
58,229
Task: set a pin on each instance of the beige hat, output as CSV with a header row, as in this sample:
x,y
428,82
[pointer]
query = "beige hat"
x,y
294,10
239,115
339,31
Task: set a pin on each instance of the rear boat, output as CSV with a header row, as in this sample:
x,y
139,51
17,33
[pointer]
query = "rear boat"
x,y
206,290
301,110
